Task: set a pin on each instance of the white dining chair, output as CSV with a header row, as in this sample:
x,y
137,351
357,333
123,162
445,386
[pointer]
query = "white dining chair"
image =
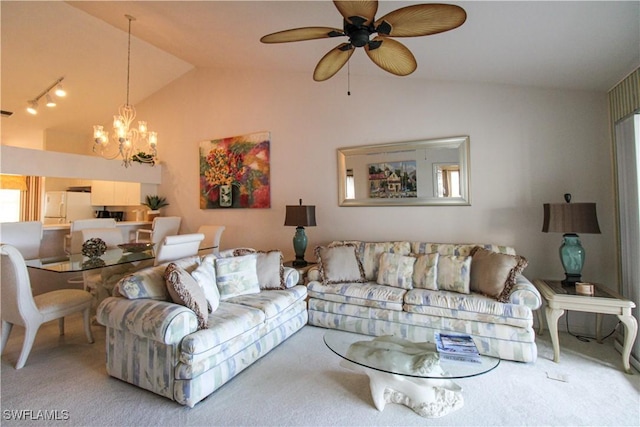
x,y
26,236
96,281
176,247
74,241
212,237
161,227
112,236
20,307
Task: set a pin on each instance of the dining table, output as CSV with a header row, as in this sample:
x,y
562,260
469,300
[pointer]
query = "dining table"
x,y
79,263
97,275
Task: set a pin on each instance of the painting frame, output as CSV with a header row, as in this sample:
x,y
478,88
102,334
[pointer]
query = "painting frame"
x,y
235,172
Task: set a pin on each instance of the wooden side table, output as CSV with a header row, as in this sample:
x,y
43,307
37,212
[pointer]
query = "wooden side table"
x,y
604,301
302,270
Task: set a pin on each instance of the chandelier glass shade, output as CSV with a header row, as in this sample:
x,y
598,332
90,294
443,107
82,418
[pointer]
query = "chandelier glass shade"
x,y
127,142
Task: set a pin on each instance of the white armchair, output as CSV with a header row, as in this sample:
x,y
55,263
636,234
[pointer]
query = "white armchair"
x,y
20,307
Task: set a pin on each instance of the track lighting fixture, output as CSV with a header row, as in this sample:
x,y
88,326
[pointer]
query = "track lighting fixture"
x,y
33,104
50,101
60,92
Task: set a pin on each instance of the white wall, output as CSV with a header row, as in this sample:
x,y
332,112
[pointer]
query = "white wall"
x,y
528,146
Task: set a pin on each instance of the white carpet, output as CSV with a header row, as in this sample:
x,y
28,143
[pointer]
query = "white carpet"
x,y
301,383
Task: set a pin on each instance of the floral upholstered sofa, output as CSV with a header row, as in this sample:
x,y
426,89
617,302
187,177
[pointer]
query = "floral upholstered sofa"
x,y
231,310
414,289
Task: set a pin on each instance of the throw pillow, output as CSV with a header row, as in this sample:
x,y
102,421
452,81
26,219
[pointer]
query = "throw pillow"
x,y
371,252
237,276
205,275
396,270
184,290
454,273
269,268
146,283
149,282
494,274
339,264
425,271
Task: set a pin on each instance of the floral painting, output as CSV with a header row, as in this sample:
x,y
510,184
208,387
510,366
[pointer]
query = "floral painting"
x,y
234,172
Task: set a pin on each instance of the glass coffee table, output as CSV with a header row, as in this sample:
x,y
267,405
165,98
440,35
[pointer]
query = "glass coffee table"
x,y
401,371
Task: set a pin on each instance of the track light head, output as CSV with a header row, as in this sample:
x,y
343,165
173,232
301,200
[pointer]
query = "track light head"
x,y
60,91
33,107
50,101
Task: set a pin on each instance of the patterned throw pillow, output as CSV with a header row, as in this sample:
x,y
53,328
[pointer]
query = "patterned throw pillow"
x,y
372,251
494,274
269,268
149,282
205,275
184,290
237,276
396,270
425,271
339,264
454,273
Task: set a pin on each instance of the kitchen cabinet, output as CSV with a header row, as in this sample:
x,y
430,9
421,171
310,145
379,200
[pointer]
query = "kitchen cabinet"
x,y
117,193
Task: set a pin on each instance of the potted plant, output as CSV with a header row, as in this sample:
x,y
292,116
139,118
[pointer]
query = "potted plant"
x,y
154,203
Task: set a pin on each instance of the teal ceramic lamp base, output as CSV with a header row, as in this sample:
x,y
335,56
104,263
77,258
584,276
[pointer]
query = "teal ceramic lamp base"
x,y
572,256
300,246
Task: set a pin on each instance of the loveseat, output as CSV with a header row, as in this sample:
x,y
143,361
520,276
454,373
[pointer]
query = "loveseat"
x,y
414,289
185,350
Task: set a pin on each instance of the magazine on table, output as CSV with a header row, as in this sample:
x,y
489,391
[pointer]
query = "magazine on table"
x,y
457,347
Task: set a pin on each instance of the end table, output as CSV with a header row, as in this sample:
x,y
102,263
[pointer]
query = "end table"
x,y
603,301
302,270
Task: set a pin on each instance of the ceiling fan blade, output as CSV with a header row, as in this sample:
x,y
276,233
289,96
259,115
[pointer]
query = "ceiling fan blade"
x,y
332,62
421,20
363,8
301,34
391,56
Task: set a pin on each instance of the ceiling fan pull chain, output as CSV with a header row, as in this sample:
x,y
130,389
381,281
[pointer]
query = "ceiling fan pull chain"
x,y
348,78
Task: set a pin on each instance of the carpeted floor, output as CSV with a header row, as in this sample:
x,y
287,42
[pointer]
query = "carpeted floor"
x,y
300,383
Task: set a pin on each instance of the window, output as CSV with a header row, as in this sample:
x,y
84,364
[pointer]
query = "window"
x,y
10,202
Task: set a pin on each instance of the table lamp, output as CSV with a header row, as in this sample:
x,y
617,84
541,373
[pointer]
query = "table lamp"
x,y
300,216
570,219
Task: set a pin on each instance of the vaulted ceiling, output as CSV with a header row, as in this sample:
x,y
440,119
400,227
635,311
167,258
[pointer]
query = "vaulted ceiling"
x,y
582,45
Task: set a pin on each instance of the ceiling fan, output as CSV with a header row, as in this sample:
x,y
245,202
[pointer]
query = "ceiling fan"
x,y
360,24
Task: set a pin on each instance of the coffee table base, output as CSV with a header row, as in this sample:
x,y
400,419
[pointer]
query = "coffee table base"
x,y
429,398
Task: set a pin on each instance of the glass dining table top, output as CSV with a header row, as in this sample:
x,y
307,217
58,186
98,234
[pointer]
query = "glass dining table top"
x,y
79,262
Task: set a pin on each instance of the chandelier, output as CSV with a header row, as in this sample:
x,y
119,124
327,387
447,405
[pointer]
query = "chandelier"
x,y
130,143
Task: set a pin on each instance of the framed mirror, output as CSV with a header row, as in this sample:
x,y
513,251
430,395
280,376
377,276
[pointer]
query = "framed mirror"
x,y
431,172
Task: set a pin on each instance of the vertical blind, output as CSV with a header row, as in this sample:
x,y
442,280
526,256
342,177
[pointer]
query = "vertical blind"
x,y
31,200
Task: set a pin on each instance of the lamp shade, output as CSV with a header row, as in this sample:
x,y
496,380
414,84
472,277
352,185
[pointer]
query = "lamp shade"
x,y
300,216
570,218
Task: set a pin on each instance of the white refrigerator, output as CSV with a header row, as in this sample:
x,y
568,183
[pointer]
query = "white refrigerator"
x,y
62,207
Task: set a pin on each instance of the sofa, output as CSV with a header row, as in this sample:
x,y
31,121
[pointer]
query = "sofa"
x,y
183,329
414,289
